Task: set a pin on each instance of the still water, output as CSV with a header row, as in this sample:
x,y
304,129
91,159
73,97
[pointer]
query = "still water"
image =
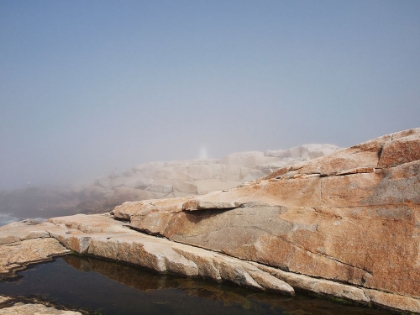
x,y
110,288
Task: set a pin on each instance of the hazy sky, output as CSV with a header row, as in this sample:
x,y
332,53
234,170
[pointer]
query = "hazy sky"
x,y
90,86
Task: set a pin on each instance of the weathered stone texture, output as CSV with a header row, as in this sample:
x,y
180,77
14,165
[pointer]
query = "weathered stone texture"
x,y
101,236
158,254
26,242
352,217
19,308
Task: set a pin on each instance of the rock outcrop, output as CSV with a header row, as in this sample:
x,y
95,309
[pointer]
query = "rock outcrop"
x,y
102,236
12,306
351,217
24,243
346,224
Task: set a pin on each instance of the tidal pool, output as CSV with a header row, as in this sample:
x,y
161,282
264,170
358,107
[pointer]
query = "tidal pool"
x,y
110,288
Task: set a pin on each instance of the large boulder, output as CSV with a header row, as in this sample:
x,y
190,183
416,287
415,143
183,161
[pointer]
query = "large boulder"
x,y
350,217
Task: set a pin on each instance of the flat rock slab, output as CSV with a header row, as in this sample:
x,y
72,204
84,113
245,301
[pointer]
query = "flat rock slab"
x,y
8,306
157,253
34,309
102,236
164,255
27,242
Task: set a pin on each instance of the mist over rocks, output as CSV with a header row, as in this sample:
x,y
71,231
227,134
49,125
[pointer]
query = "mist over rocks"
x,y
153,180
37,202
158,180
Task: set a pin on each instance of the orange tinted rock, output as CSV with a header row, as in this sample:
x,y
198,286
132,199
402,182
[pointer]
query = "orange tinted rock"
x,y
20,254
400,151
352,217
27,242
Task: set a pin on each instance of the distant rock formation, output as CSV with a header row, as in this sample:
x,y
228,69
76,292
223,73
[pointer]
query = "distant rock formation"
x,y
158,180
152,181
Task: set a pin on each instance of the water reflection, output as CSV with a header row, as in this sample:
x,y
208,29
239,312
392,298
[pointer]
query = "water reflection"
x,y
118,289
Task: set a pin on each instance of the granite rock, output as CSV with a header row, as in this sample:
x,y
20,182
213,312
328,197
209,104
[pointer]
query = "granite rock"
x,y
346,224
24,243
9,306
350,217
